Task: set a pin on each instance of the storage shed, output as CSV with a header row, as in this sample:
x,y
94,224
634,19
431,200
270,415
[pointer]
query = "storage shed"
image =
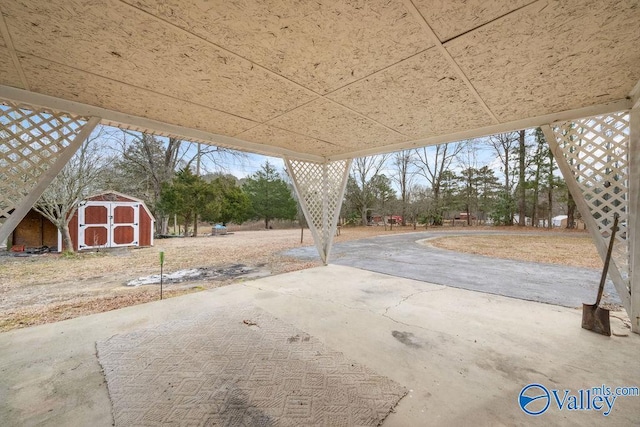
x,y
104,220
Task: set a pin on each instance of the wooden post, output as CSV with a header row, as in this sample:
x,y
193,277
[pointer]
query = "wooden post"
x,y
634,217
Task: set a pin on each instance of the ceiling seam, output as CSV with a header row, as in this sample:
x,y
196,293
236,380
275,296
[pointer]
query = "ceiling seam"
x,y
379,71
427,28
295,133
141,88
271,72
4,29
490,22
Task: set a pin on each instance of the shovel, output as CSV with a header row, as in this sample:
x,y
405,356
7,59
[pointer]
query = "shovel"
x,y
594,318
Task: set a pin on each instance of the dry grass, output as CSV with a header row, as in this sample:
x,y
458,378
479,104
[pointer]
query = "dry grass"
x,y
572,249
51,287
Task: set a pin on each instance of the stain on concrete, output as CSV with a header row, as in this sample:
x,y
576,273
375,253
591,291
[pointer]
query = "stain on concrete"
x,y
406,338
298,338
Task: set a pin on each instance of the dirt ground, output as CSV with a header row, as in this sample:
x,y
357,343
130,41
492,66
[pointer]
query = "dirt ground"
x,y
51,287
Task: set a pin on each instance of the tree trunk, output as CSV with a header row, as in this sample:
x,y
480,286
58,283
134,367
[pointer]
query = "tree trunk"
x,y
521,182
266,223
363,216
550,213
66,239
536,189
195,225
571,210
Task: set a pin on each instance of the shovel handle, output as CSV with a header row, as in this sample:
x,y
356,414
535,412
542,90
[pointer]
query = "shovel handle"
x,y
607,259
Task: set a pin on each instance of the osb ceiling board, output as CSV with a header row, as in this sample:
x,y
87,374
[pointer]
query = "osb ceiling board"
x,y
61,81
323,45
419,97
285,139
8,74
328,121
117,41
450,18
553,56
332,78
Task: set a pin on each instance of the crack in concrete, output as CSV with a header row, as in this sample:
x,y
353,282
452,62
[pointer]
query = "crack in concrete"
x,y
384,314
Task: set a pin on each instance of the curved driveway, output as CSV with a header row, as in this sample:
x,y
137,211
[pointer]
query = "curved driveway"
x,y
400,255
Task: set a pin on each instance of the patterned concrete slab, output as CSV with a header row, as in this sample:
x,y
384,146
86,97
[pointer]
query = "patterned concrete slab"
x,y
239,366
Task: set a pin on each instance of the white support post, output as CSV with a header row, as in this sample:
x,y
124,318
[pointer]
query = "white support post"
x,y
634,217
320,188
35,145
593,178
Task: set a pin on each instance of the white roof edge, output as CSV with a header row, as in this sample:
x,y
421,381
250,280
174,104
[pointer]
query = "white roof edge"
x,y
142,124
579,113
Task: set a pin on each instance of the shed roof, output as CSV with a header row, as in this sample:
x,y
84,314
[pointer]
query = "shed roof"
x,y
323,79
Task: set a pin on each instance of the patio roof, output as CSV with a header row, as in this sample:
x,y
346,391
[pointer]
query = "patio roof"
x,y
323,80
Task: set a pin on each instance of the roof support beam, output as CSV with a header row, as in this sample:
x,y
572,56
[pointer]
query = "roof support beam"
x,y
563,155
634,217
595,110
36,145
142,124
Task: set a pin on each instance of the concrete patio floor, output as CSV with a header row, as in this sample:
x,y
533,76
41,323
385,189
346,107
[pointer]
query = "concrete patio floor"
x,y
464,355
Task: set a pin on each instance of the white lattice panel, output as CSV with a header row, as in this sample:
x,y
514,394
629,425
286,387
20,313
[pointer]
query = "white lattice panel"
x,y
597,150
320,187
30,142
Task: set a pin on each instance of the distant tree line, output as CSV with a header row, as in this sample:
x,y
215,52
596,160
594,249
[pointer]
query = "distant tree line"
x,y
431,185
428,185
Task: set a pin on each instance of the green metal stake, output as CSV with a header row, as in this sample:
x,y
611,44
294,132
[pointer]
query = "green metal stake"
x,y
161,275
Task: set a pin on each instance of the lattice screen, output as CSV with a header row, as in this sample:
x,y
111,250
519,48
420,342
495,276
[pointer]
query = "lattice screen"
x,y
320,187
30,142
596,150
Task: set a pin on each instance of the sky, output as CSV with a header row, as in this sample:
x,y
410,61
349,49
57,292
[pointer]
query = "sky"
x,y
247,164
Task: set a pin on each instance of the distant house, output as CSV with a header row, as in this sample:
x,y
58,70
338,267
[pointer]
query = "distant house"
x,y
557,220
464,216
104,220
561,222
391,219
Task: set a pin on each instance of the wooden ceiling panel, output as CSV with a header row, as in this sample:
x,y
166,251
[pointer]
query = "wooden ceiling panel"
x,y
553,56
450,18
322,45
61,81
290,140
114,40
328,121
420,97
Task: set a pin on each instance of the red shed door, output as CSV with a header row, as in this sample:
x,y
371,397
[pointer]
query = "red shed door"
x,y
108,225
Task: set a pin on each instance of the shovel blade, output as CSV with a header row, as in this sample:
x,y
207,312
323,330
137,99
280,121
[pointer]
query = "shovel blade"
x,y
596,319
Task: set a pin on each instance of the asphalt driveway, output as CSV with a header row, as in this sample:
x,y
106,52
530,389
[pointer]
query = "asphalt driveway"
x,y
401,255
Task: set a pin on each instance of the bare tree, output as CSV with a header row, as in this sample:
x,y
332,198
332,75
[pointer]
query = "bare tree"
x,y
79,178
363,171
403,175
468,161
522,152
504,145
432,162
147,162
